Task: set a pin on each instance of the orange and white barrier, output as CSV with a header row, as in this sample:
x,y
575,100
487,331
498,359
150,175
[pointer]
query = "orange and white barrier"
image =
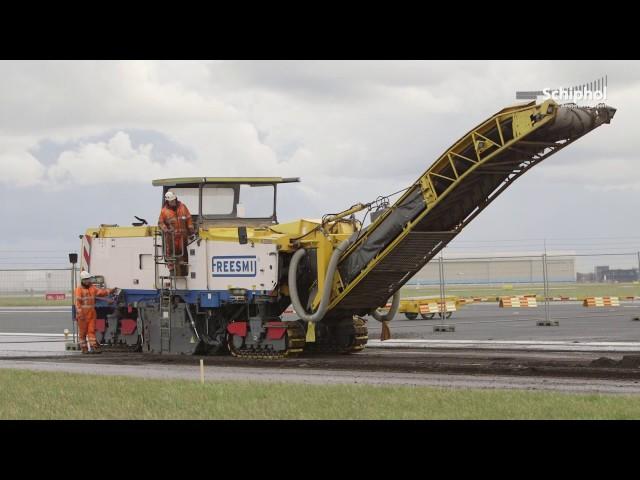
x,y
435,307
601,302
466,301
518,302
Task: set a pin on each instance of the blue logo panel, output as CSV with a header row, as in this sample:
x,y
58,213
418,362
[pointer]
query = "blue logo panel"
x,y
234,266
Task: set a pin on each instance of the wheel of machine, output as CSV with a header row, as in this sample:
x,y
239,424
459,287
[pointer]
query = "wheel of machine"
x,y
444,314
411,315
427,316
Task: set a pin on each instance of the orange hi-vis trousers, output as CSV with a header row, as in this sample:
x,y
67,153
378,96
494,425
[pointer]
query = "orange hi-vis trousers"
x,y
87,329
86,313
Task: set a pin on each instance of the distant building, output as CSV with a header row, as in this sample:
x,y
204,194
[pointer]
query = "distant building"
x,y
30,282
600,273
497,270
585,277
604,274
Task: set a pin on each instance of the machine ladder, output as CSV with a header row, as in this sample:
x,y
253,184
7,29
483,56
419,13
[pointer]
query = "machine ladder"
x,y
166,283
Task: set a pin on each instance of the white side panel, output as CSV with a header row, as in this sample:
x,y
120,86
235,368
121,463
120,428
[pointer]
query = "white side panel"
x,y
250,266
197,266
124,262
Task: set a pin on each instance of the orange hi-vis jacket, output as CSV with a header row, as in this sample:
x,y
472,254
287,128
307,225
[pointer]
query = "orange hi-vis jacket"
x,y
179,219
86,300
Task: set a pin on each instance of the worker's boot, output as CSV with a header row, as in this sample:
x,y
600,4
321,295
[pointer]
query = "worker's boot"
x,y
96,348
85,350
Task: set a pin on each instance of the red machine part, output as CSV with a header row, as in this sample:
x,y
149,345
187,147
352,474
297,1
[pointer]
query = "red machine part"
x,y
127,326
276,330
237,328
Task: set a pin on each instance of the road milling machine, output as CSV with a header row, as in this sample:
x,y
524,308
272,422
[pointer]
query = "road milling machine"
x,y
243,268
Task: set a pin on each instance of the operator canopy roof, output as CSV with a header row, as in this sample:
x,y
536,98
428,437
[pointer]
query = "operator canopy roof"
x,y
217,180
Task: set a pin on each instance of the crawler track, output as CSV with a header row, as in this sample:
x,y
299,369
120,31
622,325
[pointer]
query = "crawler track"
x,y
295,345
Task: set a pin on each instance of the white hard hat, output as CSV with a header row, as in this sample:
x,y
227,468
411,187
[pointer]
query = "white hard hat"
x,y
85,275
170,196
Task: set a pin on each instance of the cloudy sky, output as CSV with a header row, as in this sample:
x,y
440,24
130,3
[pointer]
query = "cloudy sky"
x,y
81,141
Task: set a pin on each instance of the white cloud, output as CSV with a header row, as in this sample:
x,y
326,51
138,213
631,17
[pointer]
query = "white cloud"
x,y
604,174
20,168
351,130
113,161
355,119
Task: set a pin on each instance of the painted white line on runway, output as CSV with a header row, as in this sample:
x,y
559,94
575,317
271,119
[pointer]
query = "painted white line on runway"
x,y
556,345
13,312
13,334
517,342
36,307
569,303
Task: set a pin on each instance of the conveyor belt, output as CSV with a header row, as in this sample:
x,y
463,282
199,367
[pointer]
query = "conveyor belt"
x,y
456,188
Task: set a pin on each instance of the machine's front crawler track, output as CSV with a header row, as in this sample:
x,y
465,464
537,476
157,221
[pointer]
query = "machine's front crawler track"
x,y
350,335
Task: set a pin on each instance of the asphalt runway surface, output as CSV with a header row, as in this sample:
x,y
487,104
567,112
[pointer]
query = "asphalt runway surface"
x,y
555,371
491,348
325,377
35,319
487,321
477,321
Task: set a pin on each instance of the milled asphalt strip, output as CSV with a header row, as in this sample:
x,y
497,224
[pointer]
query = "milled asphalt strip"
x,y
323,377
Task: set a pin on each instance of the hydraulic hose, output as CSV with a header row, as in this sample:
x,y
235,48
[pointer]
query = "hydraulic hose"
x,y
193,323
328,283
395,305
141,305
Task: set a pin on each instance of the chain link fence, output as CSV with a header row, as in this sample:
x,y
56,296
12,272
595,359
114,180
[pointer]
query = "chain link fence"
x,y
35,283
574,276
32,286
562,285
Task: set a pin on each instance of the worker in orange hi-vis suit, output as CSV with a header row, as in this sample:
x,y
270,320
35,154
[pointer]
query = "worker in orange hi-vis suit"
x,y
176,225
86,295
